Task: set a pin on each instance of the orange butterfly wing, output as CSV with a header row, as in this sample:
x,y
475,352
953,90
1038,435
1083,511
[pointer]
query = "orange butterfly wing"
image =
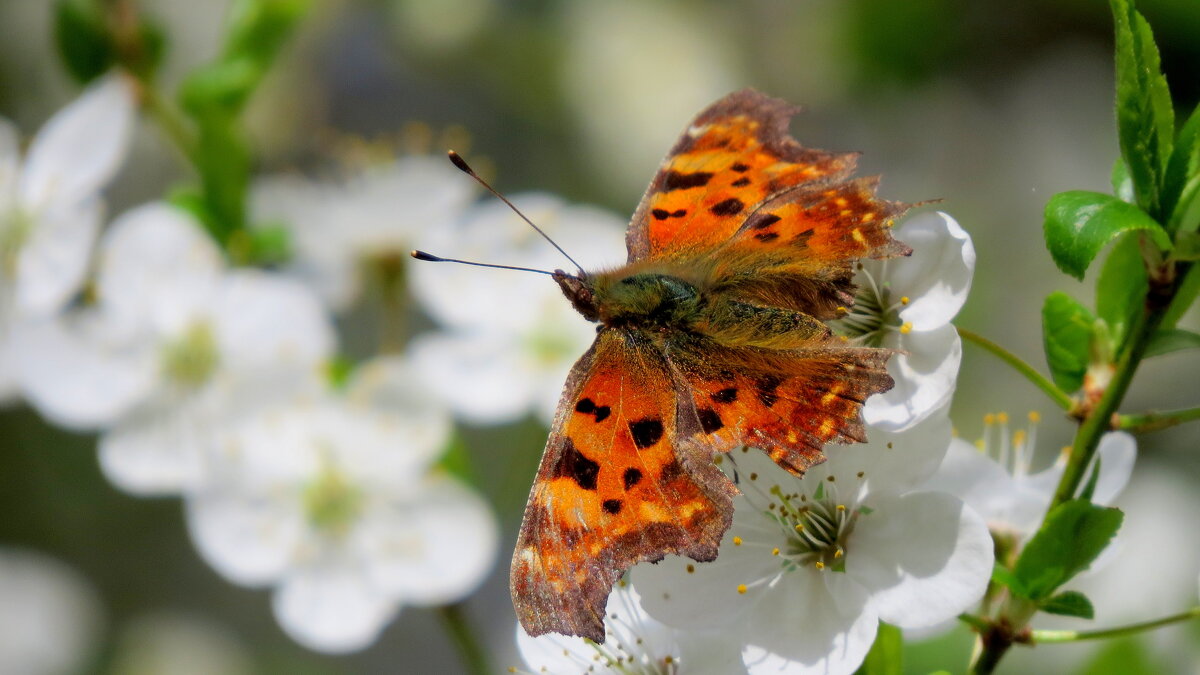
x,y
616,486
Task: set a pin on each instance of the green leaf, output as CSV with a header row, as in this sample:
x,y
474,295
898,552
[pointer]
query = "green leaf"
x,y
1187,247
1070,538
1145,116
1066,336
887,653
1002,576
1172,340
1122,184
1122,285
1069,603
83,40
456,460
1184,298
1183,167
1079,223
1127,656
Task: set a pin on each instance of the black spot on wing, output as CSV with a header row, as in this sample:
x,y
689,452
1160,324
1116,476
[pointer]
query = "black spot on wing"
x,y
631,477
612,506
761,220
646,432
602,413
765,390
741,182
660,214
729,207
727,395
767,236
710,421
585,405
739,167
572,464
683,181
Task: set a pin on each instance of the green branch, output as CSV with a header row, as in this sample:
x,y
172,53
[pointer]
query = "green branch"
x,y
1059,636
1060,398
465,639
1154,421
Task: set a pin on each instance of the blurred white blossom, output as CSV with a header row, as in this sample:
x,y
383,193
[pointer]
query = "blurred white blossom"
x,y
49,615
332,500
374,212
50,205
994,476
511,335
906,304
810,566
177,643
173,346
635,643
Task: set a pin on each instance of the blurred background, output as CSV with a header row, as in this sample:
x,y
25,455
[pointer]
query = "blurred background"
x,y
989,107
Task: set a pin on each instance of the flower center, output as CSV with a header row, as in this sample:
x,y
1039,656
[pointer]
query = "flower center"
x,y
875,311
15,227
192,359
816,527
331,502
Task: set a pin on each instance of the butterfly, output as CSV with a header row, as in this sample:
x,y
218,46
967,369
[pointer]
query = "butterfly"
x,y
711,337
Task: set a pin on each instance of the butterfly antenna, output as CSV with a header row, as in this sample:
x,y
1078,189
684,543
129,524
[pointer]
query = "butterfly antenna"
x,y
462,165
429,257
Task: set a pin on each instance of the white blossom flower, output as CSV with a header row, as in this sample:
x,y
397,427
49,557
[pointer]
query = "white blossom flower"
x,y
906,304
635,644
994,476
50,206
168,642
173,346
511,335
375,212
810,566
49,616
332,501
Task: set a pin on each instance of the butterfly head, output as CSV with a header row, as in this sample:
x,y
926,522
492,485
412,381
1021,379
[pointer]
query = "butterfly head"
x,y
578,289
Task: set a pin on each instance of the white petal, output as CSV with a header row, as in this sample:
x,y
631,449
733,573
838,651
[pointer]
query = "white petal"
x,y
435,549
327,606
816,623
158,267
481,377
80,371
978,480
925,371
899,461
159,448
50,617
52,263
925,557
395,411
249,539
267,321
80,147
937,276
1116,455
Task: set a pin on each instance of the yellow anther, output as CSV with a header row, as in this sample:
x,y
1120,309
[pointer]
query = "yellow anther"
x,y
775,551
820,565
837,553
742,589
1018,438
842,310
1002,417
906,328
979,445
691,568
904,300
841,507
1035,416
737,541
989,419
799,527
667,660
